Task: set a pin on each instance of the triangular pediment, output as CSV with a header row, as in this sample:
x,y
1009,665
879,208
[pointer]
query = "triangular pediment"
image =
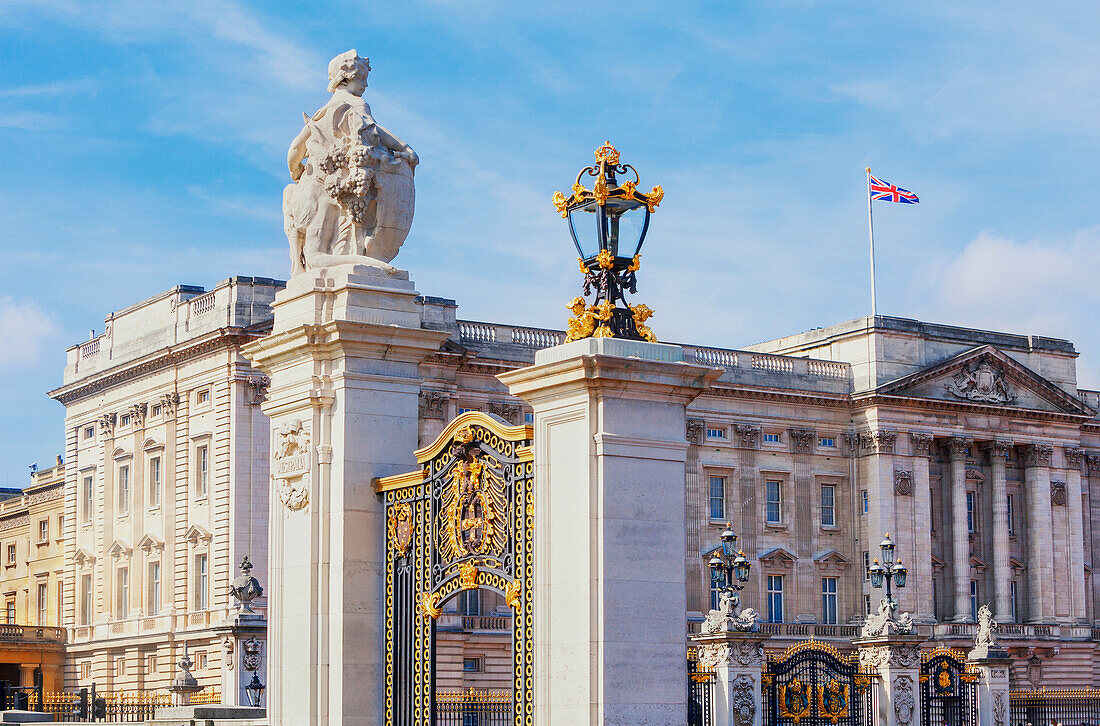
x,y
778,557
197,534
83,557
831,560
148,543
985,376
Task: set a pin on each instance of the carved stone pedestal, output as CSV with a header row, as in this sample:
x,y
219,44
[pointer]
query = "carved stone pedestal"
x,y
896,659
992,687
737,660
243,639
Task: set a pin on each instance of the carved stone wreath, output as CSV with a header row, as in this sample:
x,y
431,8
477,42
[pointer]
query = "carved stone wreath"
x,y
713,655
1058,493
748,654
294,493
903,483
744,701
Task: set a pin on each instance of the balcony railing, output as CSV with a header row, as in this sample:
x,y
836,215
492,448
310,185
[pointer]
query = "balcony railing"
x,y
31,633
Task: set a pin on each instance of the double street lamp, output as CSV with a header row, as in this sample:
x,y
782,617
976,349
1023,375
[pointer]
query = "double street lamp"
x,y
729,568
890,571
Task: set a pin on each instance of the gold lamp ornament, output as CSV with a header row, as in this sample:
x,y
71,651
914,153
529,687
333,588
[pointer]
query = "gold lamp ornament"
x,y
609,245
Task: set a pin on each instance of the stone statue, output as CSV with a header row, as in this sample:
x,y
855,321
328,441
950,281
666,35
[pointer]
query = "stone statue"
x,y
985,645
245,588
729,616
352,197
884,623
982,383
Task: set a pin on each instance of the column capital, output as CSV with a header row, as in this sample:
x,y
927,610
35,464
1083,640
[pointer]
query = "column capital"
x,y
878,441
1094,463
802,440
1075,456
956,447
695,427
997,449
921,443
1037,455
748,435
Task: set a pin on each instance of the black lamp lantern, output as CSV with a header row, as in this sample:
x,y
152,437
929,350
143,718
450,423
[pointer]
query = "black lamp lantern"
x,y
729,542
608,224
887,547
729,568
876,571
254,690
900,573
741,567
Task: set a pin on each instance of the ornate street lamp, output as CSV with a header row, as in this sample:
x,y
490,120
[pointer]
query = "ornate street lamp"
x,y
890,571
608,224
254,690
729,569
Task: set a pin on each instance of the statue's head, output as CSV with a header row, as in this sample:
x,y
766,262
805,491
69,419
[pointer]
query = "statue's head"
x,y
346,68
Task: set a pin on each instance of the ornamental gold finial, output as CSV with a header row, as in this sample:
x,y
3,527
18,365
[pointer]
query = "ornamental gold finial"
x,y
608,154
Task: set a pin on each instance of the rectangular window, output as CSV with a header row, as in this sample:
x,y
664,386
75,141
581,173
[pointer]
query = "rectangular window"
x,y
123,489
61,526
866,565
827,442
122,593
465,410
89,498
528,418
1012,600
151,663
44,530
11,554
775,598
774,502
154,588
867,604
716,433
89,432
1011,528
772,438
86,595
200,660
154,481
124,420
718,497
715,587
202,470
201,576
864,501
204,396
43,594
828,600
154,412
9,612
970,512
828,505
471,665
469,603
974,600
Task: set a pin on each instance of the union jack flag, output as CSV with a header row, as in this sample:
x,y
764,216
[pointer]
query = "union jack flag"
x,y
888,192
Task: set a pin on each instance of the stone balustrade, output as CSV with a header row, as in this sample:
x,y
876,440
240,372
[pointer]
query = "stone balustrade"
x,y
31,634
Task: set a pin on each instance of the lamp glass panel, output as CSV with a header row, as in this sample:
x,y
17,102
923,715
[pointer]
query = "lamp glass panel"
x,y
625,221
876,577
585,227
741,570
900,573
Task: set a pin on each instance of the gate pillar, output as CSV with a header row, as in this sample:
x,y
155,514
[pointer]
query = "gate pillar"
x,y
737,659
343,360
610,448
896,659
992,687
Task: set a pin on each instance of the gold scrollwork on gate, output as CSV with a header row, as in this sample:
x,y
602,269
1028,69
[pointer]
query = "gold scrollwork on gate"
x,y
794,700
832,701
401,527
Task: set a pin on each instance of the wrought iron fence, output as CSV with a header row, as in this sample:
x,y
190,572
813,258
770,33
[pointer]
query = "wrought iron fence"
x,y
88,704
473,707
700,686
948,690
1042,707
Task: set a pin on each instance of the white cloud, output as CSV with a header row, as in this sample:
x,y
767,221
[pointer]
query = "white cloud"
x,y
24,331
31,121
1038,288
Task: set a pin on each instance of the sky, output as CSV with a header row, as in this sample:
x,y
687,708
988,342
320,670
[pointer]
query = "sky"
x,y
145,146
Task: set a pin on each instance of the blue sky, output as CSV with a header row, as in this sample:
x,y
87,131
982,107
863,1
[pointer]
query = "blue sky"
x,y
145,146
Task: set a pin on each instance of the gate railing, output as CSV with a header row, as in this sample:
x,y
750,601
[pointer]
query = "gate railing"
x,y
948,688
473,707
812,684
700,685
1043,706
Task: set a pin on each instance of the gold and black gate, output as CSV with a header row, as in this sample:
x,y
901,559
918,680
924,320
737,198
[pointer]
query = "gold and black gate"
x,y
463,521
811,684
948,691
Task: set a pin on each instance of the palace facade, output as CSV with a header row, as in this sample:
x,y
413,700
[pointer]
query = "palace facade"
x,y
974,449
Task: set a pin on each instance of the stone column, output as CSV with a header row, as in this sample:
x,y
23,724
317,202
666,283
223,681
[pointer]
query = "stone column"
x,y
896,658
1002,569
960,536
919,560
737,659
992,686
806,499
1093,461
1040,578
752,511
609,529
343,360
1074,457
696,487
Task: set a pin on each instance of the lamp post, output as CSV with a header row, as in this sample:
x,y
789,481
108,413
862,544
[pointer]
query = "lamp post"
x,y
608,224
890,571
254,690
727,560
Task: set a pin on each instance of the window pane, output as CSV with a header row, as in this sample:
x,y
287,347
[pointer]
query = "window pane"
x,y
717,497
828,511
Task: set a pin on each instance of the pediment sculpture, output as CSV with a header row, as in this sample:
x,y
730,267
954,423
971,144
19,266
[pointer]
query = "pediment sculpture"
x,y
982,383
352,197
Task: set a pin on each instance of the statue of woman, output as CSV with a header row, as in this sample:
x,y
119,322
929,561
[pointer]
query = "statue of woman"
x,y
352,197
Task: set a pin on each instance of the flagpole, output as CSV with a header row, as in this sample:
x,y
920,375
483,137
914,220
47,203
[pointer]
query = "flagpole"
x,y
871,230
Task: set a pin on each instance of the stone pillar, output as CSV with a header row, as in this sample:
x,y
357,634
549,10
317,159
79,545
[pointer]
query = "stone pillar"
x,y
960,536
752,509
26,674
343,360
806,500
609,529
919,560
1002,569
696,487
992,686
1040,578
1093,461
242,642
1074,457
896,658
737,659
